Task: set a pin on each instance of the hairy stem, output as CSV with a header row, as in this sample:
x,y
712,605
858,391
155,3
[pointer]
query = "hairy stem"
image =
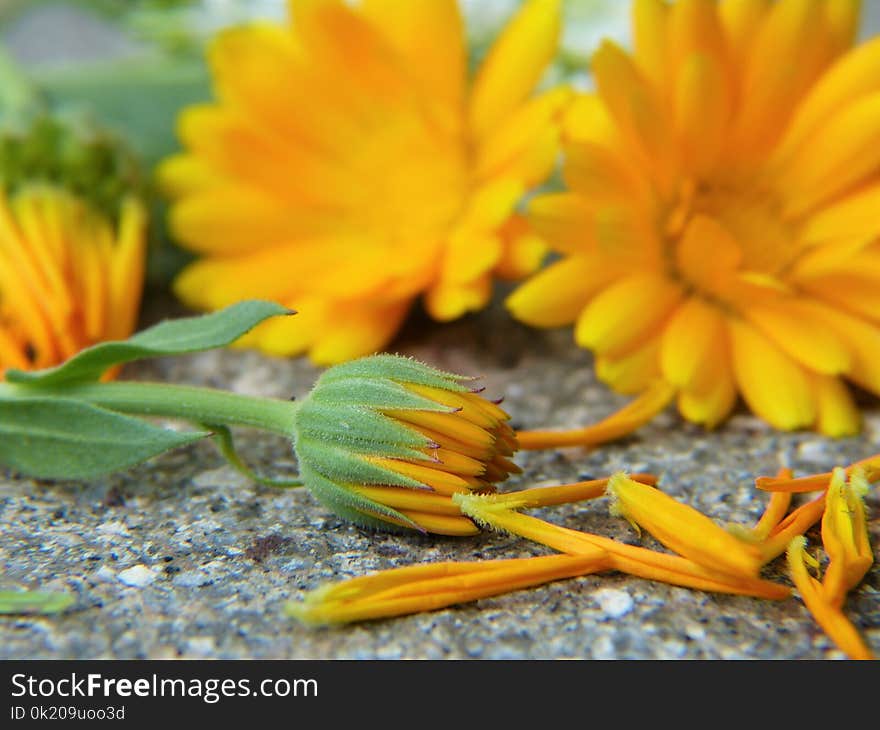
x,y
188,403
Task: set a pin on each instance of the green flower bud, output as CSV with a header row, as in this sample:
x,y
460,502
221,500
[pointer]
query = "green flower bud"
x,y
385,441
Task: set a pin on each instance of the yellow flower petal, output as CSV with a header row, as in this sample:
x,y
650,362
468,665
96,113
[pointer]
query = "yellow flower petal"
x,y
843,152
792,28
491,578
430,37
838,414
830,618
622,423
819,482
861,339
690,339
845,535
556,295
634,372
230,220
514,64
523,250
623,315
775,511
710,403
620,556
792,328
635,107
855,75
650,20
742,21
796,523
448,300
853,216
356,329
126,269
703,109
682,529
776,388
515,140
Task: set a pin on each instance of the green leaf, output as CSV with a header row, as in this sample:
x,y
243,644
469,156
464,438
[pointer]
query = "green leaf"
x,y
55,438
29,602
172,337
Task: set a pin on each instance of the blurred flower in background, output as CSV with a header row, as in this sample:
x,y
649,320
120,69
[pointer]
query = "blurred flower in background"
x,y
72,242
721,230
348,167
134,64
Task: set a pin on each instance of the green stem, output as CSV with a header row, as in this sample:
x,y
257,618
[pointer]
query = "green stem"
x,y
189,403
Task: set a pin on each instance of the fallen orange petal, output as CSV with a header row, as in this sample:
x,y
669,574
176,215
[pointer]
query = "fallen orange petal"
x,y
423,588
818,482
622,423
832,620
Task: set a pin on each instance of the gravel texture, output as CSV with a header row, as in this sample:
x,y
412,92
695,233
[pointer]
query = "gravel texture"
x,y
183,557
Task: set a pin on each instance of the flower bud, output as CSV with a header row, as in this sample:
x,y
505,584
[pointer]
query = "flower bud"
x,y
385,441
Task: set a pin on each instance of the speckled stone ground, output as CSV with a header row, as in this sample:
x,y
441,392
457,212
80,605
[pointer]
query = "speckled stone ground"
x,y
221,556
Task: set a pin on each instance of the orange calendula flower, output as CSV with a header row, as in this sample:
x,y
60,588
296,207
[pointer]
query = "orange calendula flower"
x,y
720,235
349,167
72,247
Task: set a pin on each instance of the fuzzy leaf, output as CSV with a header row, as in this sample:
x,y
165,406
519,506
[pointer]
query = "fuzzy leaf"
x,y
54,438
171,337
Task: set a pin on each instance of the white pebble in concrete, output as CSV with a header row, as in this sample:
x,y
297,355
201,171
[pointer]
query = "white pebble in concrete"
x,y
614,603
138,576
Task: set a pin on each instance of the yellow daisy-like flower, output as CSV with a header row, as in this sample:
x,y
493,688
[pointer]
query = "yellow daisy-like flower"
x,y
69,275
72,239
720,234
348,167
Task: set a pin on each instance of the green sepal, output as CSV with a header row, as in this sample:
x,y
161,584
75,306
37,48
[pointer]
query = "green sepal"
x,y
372,393
341,465
55,438
399,368
352,506
33,602
171,337
360,429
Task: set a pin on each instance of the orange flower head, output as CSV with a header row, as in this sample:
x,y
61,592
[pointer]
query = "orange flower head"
x,y
720,232
348,167
72,243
